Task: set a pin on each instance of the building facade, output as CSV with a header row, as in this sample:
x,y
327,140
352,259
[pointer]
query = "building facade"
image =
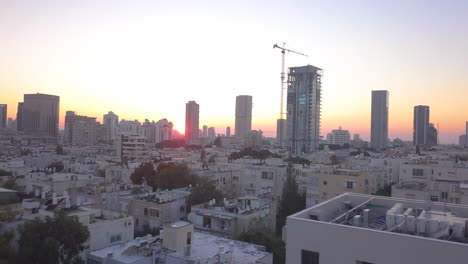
x,y
3,115
80,130
420,125
243,120
366,229
379,120
304,109
40,114
192,115
19,117
339,137
110,122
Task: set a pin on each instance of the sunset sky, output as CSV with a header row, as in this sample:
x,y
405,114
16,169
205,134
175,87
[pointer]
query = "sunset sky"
x,y
146,59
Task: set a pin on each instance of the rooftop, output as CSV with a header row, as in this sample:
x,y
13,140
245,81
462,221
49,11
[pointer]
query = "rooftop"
x,y
205,247
423,219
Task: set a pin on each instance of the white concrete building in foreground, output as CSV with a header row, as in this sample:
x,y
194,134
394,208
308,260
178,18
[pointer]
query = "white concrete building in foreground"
x,y
358,228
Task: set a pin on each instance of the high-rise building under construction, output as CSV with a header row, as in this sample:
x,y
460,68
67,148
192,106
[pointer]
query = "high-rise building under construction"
x,y
303,109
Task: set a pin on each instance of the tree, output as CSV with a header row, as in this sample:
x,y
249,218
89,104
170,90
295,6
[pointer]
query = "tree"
x,y
217,142
292,200
57,165
5,173
59,150
144,171
298,160
386,190
271,244
11,184
7,252
55,240
172,175
334,160
202,192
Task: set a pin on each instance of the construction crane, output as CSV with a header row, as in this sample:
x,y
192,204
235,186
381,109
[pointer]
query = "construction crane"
x,y
281,123
283,53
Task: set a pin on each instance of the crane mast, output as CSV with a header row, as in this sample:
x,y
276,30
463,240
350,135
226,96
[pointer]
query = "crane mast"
x,y
283,55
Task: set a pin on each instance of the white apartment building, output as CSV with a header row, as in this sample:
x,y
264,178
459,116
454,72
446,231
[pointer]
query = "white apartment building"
x,y
257,179
110,122
339,137
103,231
129,128
231,218
157,208
80,130
366,229
329,182
438,181
131,147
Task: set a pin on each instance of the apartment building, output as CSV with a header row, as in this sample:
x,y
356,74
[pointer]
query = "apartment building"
x,y
435,180
366,229
231,218
157,208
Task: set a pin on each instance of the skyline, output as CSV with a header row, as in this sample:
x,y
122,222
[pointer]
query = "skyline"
x,y
107,57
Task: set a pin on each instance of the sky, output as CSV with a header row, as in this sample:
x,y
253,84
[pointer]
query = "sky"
x,y
146,59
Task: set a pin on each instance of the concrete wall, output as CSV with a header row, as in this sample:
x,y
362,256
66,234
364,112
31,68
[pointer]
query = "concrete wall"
x,y
345,245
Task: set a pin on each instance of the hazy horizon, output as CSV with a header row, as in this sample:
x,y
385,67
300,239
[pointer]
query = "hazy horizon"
x,y
146,59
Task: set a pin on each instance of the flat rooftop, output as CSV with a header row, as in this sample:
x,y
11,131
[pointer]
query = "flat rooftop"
x,y
205,247
424,219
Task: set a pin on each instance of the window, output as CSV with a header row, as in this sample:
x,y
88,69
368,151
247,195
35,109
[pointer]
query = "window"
x,y
434,198
349,184
267,175
444,195
309,257
314,181
189,238
418,172
206,222
115,238
324,182
154,212
145,211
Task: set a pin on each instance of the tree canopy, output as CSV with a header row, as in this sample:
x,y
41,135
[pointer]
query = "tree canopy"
x,y
55,240
271,244
167,175
262,155
298,160
292,200
202,192
7,252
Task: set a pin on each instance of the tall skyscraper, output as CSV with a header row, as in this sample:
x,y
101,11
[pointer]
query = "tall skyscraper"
x,y
243,121
205,131
466,134
211,132
3,116
228,131
192,113
41,114
80,130
379,120
110,122
281,132
432,135
19,117
420,125
303,107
